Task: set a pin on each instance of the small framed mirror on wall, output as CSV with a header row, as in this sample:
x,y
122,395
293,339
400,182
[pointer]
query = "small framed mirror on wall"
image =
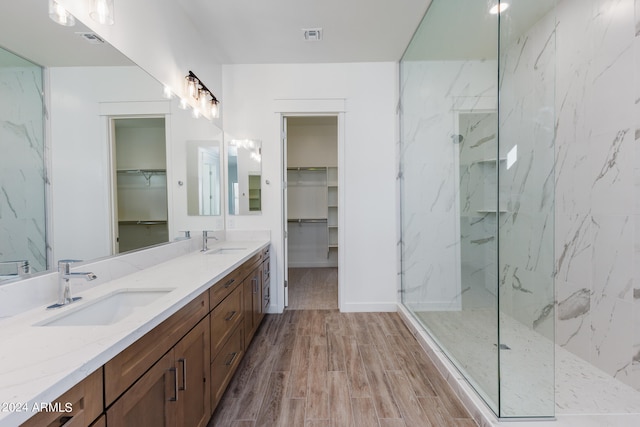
x,y
244,173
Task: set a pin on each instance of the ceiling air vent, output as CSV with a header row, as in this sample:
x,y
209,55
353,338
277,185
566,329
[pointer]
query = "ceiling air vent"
x,y
312,34
92,38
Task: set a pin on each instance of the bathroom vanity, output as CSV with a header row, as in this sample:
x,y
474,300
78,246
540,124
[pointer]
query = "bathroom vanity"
x,y
163,362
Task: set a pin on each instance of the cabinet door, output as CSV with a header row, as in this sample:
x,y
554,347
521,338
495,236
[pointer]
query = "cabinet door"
x,y
247,298
151,401
192,362
258,313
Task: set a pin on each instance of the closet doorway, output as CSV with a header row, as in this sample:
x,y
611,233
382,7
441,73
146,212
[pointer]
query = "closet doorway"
x,y
311,214
139,185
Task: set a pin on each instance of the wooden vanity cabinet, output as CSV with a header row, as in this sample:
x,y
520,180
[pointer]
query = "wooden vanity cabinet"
x,y
174,392
78,407
129,365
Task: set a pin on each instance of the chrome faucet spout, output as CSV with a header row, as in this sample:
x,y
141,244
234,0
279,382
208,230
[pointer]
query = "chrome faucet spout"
x,y
64,287
205,240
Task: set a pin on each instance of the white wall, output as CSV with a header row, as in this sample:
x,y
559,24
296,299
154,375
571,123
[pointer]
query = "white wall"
x,y
159,37
370,94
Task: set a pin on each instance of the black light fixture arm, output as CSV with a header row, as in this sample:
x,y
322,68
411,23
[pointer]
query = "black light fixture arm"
x,y
213,97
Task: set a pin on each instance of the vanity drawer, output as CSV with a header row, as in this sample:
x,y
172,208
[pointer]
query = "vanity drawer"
x,y
224,319
224,287
83,403
225,364
129,365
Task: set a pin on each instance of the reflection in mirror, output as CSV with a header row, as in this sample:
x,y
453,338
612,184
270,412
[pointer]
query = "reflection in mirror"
x,y
203,178
86,84
22,169
244,166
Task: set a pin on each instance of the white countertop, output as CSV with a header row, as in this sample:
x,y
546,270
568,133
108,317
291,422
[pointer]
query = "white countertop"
x,y
39,363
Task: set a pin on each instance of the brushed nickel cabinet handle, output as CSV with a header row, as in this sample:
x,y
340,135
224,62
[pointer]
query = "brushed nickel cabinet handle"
x,y
226,285
183,361
175,385
230,316
233,357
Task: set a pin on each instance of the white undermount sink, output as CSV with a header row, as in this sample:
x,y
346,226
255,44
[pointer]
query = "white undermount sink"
x,y
224,251
106,310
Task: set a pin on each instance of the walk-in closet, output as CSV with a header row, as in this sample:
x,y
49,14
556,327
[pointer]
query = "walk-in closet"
x,y
312,211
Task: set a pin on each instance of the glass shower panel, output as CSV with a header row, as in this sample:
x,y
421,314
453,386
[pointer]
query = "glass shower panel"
x,y
526,226
449,195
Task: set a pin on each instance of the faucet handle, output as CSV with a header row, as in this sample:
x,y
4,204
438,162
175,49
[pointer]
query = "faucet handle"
x,y
187,233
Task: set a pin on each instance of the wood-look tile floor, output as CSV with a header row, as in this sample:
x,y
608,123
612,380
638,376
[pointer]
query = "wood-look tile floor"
x,y
313,368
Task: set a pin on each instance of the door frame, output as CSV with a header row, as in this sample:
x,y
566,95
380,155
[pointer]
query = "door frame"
x,y
311,108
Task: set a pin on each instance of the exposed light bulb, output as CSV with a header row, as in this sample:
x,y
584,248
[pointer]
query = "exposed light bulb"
x,y
499,8
215,109
60,15
102,12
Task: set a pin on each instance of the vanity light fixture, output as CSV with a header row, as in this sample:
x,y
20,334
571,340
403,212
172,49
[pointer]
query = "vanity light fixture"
x,y
499,8
102,12
208,103
60,15
168,93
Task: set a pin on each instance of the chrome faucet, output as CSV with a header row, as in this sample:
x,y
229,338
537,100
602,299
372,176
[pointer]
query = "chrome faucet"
x,y
22,267
205,240
64,288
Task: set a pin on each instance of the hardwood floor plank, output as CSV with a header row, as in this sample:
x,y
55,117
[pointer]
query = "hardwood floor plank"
x,y
435,411
364,412
284,346
380,391
356,373
255,388
408,403
336,351
225,412
317,406
271,409
393,422
253,357
297,386
317,423
292,413
449,400
416,377
339,400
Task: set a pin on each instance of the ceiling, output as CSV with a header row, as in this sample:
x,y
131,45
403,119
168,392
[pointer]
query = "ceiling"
x,y
25,28
271,31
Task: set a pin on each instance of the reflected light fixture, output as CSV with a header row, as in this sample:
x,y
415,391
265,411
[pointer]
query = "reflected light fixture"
x,y
102,12
208,103
60,15
499,8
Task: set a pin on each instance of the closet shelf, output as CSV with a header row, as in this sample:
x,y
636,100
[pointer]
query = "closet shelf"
x,y
307,220
143,222
308,168
143,171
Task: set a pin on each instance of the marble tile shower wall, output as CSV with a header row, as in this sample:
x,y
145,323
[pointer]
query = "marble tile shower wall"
x,y
598,184
431,177
22,194
526,141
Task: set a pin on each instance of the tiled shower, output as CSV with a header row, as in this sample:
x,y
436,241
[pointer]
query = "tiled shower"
x,y
519,200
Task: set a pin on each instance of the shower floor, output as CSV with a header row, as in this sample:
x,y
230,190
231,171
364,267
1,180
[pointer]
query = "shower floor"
x,y
580,388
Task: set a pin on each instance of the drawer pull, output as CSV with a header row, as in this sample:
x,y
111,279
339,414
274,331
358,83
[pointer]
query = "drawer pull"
x,y
233,357
229,282
183,361
175,385
230,316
